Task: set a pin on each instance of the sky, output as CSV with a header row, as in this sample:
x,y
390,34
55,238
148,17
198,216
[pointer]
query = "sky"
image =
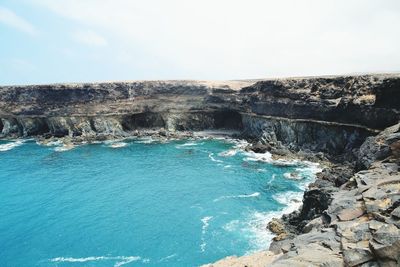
x,y
50,41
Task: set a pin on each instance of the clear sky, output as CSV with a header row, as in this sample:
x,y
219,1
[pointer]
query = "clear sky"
x,y
47,41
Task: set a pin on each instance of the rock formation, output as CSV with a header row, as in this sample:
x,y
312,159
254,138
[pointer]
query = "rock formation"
x,y
350,215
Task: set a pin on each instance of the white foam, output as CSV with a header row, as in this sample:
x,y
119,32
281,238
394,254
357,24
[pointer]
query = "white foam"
x,y
255,227
308,173
205,221
168,257
292,176
188,144
118,145
126,261
231,226
258,221
9,146
211,156
252,156
267,157
51,143
256,194
272,179
146,140
292,200
120,260
64,148
228,153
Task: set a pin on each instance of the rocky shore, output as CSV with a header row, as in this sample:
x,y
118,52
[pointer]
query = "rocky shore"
x,y
350,215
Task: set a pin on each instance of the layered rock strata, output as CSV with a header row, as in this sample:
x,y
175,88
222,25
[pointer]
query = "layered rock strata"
x,y
331,114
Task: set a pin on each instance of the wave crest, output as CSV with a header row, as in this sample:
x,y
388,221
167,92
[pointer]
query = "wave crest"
x,y
120,260
9,146
256,194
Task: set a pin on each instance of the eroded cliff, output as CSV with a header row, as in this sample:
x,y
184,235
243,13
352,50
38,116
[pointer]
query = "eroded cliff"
x,y
332,114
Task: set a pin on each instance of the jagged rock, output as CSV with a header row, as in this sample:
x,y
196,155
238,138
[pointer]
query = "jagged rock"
x,y
356,256
375,225
339,175
314,224
260,148
386,243
378,147
281,236
315,201
396,212
276,226
356,232
10,127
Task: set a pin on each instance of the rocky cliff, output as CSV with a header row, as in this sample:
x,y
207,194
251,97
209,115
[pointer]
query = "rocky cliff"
x,y
332,114
350,215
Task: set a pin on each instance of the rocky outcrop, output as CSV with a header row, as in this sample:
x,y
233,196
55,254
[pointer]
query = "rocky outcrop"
x,y
367,100
355,222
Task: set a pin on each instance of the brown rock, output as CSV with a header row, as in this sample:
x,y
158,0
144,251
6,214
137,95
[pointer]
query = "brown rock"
x,y
276,227
350,214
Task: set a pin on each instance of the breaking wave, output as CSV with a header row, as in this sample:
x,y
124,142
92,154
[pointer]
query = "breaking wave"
x,y
9,146
119,260
256,194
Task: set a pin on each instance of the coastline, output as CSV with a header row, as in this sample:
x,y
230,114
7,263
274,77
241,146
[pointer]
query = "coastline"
x,y
349,122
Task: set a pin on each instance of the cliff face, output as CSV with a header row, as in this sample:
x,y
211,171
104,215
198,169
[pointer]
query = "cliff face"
x,y
333,114
365,100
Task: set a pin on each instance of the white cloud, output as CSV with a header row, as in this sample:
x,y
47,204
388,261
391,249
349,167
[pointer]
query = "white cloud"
x,y
245,38
89,37
11,19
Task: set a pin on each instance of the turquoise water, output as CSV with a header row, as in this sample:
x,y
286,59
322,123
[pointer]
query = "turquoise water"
x,y
182,203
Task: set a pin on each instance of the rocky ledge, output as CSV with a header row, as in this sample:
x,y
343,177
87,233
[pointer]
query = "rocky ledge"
x,y
350,215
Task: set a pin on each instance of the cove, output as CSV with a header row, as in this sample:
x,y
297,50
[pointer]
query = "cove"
x,y
139,202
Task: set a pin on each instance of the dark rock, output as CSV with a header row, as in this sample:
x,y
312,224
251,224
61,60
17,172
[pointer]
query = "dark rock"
x,y
378,147
315,202
396,213
260,148
386,243
337,174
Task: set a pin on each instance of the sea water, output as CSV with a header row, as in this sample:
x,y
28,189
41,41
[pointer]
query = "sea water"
x,y
140,202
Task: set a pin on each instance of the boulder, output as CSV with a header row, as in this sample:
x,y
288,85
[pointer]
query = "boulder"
x,y
386,243
350,214
357,256
276,226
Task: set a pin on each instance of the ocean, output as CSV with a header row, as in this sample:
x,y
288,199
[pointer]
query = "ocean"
x,y
140,202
